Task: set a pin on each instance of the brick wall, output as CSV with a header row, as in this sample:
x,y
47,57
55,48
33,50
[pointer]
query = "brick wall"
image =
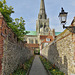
x,y
61,52
1,46
12,51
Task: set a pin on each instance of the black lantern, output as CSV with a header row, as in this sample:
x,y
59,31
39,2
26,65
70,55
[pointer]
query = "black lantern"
x,y
63,18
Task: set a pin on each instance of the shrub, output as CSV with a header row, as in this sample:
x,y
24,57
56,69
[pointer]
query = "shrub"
x,y
23,68
51,67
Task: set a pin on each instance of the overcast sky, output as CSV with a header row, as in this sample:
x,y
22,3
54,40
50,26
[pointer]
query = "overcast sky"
x,y
29,10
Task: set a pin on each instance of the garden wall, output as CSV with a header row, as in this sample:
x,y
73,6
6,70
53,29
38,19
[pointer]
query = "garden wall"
x,y
12,52
61,52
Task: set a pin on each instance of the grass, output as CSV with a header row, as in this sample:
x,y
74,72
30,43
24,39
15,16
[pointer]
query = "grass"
x,y
23,68
51,67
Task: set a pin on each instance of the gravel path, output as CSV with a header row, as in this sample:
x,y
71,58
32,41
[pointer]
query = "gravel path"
x,y
37,67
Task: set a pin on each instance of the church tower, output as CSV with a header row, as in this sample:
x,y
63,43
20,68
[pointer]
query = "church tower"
x,y
42,24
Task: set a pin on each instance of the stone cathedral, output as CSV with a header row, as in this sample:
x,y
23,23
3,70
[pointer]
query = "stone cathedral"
x,y
42,24
43,35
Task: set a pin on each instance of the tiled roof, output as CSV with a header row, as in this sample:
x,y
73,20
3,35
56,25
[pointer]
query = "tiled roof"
x,y
32,33
57,33
50,37
35,33
43,36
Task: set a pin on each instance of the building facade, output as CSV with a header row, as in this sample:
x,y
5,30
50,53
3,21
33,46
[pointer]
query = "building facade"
x,y
35,38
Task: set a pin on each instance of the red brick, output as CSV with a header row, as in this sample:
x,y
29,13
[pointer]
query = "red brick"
x,y
1,56
0,72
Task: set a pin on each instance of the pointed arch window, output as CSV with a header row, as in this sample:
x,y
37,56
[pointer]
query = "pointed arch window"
x,y
40,16
45,16
45,26
47,30
31,41
36,42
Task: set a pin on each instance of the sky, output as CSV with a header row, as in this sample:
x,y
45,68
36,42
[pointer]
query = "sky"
x,y
29,9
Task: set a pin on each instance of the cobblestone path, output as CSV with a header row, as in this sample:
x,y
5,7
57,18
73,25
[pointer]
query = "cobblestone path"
x,y
37,67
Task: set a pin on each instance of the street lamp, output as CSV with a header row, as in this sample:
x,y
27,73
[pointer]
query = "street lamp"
x,y
63,18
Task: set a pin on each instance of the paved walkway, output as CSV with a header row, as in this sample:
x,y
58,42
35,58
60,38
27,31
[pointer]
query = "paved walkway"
x,y
37,67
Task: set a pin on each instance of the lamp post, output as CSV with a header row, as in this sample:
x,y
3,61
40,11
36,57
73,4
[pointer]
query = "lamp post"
x,y
63,18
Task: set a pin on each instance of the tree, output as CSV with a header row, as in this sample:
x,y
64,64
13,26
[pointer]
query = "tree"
x,y
6,11
18,25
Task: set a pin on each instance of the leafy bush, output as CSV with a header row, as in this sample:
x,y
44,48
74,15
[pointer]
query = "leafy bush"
x,y
17,25
51,67
23,68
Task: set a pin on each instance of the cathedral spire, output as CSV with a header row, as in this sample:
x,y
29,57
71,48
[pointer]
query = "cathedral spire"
x,y
42,24
42,13
42,6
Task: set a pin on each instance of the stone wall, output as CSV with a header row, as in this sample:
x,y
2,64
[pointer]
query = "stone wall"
x,y
13,55
61,52
12,52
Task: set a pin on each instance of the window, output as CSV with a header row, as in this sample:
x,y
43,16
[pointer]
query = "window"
x,y
41,26
40,16
48,39
47,30
44,26
45,16
30,41
45,44
36,42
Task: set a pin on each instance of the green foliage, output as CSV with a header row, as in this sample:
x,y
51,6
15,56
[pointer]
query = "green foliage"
x,y
26,32
6,11
51,67
17,26
22,70
19,72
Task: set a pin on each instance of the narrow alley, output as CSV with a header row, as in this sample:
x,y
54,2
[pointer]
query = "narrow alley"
x,y
37,67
